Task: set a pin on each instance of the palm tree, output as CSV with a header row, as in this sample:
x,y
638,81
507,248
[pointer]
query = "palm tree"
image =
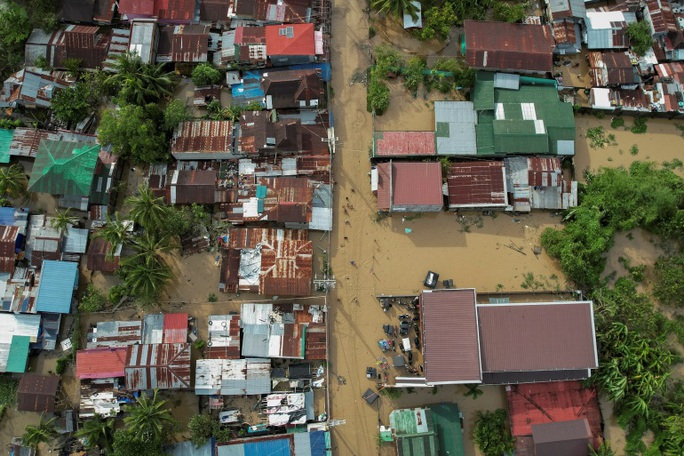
x,y
62,221
145,280
115,232
148,247
45,432
149,420
474,391
147,210
395,7
138,82
97,432
12,181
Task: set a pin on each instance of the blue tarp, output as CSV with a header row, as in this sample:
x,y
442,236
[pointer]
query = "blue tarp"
x,y
317,443
278,447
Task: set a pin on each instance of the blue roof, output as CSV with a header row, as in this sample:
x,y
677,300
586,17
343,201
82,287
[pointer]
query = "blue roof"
x,y
58,280
270,447
189,449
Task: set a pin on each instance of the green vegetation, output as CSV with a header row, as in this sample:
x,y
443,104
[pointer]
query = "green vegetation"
x,y
395,8
10,124
205,74
506,12
437,22
635,355
391,393
93,300
212,297
97,432
133,134
174,113
138,83
44,432
63,220
491,433
640,39
634,150
203,427
73,104
413,74
617,122
148,426
598,139
13,182
474,391
639,126
378,95
8,393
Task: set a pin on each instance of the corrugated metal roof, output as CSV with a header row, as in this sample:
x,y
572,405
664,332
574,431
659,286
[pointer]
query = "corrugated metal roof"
x,y
606,29
175,11
189,449
539,403
36,393
11,216
293,88
64,168
136,8
175,328
233,377
403,143
163,366
97,259
8,254
223,341
19,325
76,240
58,281
412,186
561,431
537,337
290,39
567,8
190,43
477,184
279,445
196,186
202,137
455,128
153,329
660,16
143,39
32,87
26,140
5,143
450,336
115,334
18,355
506,46
101,362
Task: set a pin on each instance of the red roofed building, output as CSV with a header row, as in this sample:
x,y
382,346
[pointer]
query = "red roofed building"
x,y
403,143
131,9
495,46
100,363
175,328
408,186
290,44
479,184
170,11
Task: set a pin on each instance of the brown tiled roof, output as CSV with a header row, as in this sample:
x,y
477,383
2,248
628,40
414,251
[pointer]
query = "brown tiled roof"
x,y
504,46
36,393
450,336
477,184
537,337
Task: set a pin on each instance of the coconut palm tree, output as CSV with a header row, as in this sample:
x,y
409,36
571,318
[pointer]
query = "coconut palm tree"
x,y
474,391
44,432
147,210
12,181
97,432
62,221
138,82
145,280
115,232
148,247
149,420
395,7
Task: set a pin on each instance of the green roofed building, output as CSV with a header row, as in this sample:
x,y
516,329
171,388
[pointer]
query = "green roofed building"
x,y
434,430
6,137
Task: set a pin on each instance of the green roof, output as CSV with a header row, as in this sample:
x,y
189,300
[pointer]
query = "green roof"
x,y
64,168
447,419
18,354
6,137
519,136
439,435
483,92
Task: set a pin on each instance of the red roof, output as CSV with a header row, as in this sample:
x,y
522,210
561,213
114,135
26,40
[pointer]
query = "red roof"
x,y
410,185
477,184
136,7
539,403
404,143
290,39
175,328
175,10
100,362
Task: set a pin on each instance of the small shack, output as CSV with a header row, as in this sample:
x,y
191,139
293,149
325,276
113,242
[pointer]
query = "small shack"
x,y
36,393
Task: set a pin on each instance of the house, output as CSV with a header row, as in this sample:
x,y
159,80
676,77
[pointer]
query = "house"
x,y
11,243
610,69
269,261
223,340
393,144
508,343
26,141
291,44
606,29
408,186
58,281
455,128
158,366
98,258
282,331
310,443
166,11
197,187
249,46
65,169
203,96
288,409
564,438
32,88
538,183
17,332
113,334
293,89
215,13
521,116
161,328
37,393
271,11
203,140
258,135
88,44
435,429
101,363
75,243
480,184
143,39
566,9
502,46
87,11
183,44
660,17
568,36
232,377
43,241
188,448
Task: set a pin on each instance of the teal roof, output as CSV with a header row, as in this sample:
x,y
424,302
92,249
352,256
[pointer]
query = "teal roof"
x,y
447,420
440,433
6,137
519,136
483,92
64,168
58,280
18,354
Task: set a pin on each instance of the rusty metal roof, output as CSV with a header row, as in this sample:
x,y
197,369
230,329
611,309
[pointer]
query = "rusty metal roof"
x,y
101,362
611,68
135,8
404,143
450,336
215,11
198,186
223,341
8,239
36,393
292,88
661,16
504,46
163,366
97,256
477,184
89,44
115,334
409,185
537,337
203,136
564,31
175,328
174,11
190,43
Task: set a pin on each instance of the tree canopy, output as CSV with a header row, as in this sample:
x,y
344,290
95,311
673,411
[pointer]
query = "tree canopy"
x,y
491,433
139,83
395,8
206,74
133,134
640,38
13,181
